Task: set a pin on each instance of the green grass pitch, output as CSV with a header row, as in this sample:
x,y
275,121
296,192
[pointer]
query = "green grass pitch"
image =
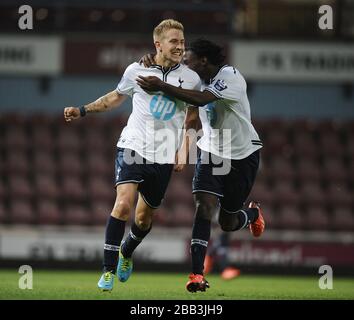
x,y
75,285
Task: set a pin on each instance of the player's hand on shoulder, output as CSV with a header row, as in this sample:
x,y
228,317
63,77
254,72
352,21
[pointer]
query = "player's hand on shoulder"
x,y
71,113
147,60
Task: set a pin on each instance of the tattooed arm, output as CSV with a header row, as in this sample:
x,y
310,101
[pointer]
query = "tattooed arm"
x,y
107,102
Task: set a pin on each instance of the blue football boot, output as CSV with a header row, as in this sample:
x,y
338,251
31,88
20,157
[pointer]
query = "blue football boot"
x,y
125,267
106,281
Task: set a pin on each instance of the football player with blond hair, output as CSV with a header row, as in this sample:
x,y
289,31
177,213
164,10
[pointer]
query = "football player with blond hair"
x,y
145,160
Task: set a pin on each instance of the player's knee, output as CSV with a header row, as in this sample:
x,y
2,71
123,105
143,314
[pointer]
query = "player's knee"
x,y
228,222
204,210
122,210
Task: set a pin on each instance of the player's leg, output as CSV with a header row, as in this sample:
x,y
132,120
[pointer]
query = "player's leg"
x,y
127,178
207,189
139,230
151,193
237,187
206,207
125,196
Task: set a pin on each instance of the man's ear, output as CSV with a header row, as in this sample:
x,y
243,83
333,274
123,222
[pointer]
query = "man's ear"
x,y
158,46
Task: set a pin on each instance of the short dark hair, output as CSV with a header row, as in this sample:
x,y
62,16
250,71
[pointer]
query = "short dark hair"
x,y
205,48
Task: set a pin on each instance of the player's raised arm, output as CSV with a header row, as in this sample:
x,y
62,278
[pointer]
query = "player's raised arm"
x,y
193,97
107,102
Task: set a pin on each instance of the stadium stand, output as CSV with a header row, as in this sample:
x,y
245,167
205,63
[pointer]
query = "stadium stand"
x,y
54,173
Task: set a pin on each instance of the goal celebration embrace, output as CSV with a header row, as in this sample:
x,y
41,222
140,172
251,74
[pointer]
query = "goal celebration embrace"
x,y
173,91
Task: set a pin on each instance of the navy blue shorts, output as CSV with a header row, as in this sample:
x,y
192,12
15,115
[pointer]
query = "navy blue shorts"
x,y
153,178
232,188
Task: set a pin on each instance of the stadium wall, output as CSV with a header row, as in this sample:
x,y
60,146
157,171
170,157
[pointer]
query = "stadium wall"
x,y
168,249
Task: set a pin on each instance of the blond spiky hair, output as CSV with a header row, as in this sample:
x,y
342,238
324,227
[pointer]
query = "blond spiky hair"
x,y
165,25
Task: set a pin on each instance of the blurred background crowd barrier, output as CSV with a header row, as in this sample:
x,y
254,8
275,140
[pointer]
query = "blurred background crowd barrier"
x,y
56,179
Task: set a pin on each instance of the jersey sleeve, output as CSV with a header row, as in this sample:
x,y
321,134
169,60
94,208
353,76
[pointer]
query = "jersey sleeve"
x,y
127,82
227,85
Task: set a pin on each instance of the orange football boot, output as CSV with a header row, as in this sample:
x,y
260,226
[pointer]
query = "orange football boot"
x,y
197,282
257,227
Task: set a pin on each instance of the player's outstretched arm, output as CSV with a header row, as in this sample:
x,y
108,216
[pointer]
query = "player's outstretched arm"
x,y
107,102
193,97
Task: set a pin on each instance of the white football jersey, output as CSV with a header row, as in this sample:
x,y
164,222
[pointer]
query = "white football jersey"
x,y
154,128
227,128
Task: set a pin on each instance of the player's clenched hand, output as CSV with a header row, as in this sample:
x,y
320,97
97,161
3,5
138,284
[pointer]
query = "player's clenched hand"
x,y
180,162
147,60
71,113
150,83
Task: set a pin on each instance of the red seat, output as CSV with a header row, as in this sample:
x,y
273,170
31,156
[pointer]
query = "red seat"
x,y
16,137
334,170
49,213
262,193
285,193
339,195
100,212
308,170
100,189
289,217
179,191
98,164
70,164
282,169
44,162
331,145
3,213
76,215
276,141
42,138
304,146
46,186
20,187
3,191
95,141
68,139
73,189
21,212
161,216
312,194
317,218
181,215
17,162
343,219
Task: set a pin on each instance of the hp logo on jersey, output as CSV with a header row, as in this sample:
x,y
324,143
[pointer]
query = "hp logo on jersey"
x,y
162,107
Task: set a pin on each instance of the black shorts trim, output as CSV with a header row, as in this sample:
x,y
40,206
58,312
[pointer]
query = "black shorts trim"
x,y
207,191
128,181
147,202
